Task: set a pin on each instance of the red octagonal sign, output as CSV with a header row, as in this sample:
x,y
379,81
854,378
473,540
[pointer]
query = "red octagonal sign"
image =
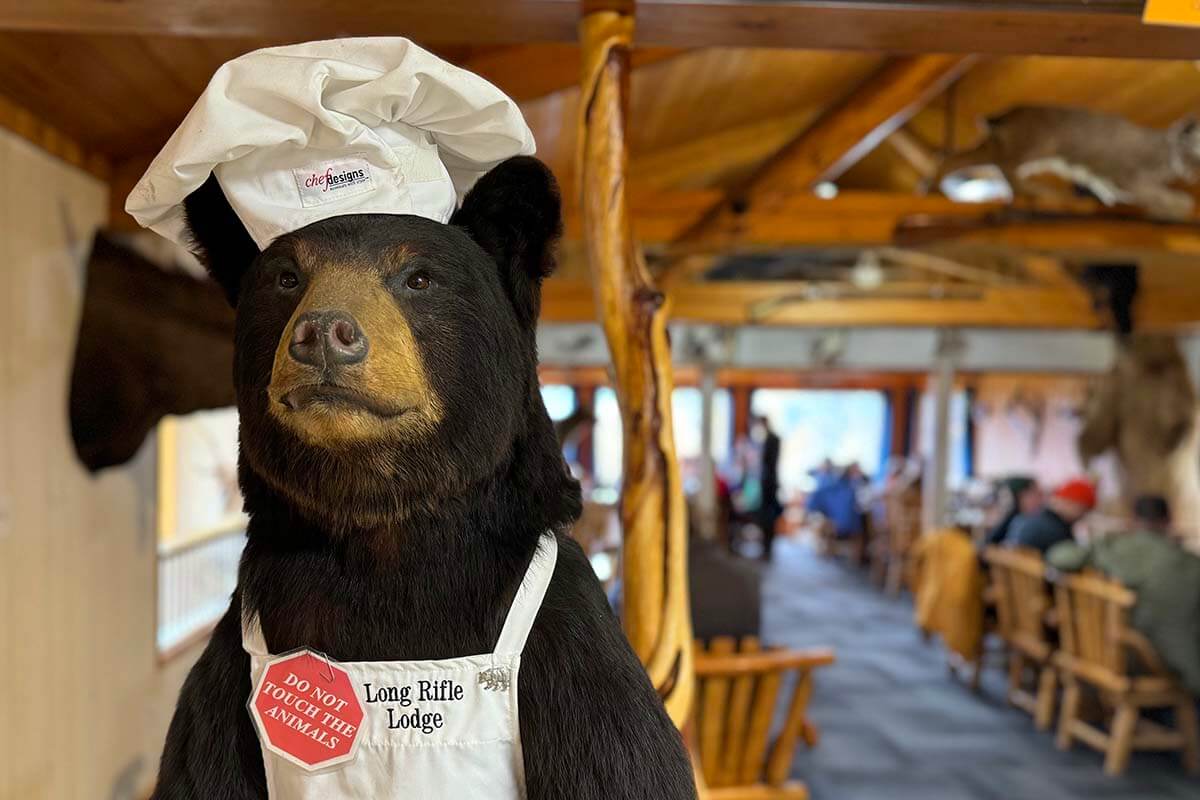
x,y
306,710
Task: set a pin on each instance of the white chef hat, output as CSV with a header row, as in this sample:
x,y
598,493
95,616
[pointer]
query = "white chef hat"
x,y
300,133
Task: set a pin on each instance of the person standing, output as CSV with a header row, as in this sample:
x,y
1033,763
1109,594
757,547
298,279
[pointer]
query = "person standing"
x,y
769,509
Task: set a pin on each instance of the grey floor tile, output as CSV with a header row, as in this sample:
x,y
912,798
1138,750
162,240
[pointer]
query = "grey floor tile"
x,y
896,726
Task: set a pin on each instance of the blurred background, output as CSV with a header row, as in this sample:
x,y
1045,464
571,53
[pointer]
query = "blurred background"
x,y
932,296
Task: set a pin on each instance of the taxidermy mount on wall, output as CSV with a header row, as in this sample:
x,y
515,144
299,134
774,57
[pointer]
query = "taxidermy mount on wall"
x,y
1117,161
150,343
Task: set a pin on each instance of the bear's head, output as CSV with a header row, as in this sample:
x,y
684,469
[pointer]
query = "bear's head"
x,y
386,364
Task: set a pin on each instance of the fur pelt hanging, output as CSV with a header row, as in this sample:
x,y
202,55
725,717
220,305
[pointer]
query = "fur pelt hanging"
x,y
1145,410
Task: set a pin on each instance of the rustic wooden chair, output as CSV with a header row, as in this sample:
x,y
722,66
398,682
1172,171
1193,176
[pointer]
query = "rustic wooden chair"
x,y
896,545
1099,649
737,696
1023,606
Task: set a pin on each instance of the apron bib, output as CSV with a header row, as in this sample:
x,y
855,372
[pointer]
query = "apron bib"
x,y
431,729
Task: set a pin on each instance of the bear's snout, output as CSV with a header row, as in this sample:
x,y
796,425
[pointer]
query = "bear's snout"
x,y
327,340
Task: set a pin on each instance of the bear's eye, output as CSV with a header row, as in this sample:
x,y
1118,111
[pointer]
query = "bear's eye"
x,y
288,280
418,281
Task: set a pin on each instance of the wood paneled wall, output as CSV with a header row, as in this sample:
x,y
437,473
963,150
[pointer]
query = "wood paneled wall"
x,y
84,703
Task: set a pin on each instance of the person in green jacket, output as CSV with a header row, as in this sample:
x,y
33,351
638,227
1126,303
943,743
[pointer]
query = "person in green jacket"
x,y
1165,577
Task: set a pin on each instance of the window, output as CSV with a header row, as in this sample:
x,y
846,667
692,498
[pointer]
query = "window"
x,y
844,426
686,413
559,400
201,526
958,470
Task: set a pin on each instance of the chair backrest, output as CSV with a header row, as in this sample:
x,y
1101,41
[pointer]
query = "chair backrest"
x,y
903,520
1092,614
739,687
1018,578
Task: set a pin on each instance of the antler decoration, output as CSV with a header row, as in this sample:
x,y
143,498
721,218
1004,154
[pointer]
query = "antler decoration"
x,y
634,314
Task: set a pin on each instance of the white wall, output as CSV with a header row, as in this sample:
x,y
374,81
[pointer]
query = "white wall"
x,y
892,349
84,703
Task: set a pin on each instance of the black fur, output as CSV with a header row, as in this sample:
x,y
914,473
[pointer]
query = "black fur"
x,y
413,550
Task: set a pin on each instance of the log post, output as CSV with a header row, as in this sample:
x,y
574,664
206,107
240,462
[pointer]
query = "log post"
x,y
634,314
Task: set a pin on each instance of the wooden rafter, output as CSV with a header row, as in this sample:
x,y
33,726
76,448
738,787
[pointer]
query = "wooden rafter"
x,y
840,137
1111,28
653,511
791,303
1065,306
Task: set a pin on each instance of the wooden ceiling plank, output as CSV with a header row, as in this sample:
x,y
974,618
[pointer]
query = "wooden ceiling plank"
x,y
528,72
38,72
1110,29
23,123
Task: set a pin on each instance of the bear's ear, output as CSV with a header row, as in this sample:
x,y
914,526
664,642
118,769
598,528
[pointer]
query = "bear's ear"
x,y
219,239
515,214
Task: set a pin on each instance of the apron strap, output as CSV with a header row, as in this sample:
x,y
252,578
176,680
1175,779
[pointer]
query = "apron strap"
x,y
252,637
525,606
528,600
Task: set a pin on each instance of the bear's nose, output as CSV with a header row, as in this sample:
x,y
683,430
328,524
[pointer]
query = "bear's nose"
x,y
327,338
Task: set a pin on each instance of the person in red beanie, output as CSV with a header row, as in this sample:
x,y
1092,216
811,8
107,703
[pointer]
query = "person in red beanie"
x,y
1054,523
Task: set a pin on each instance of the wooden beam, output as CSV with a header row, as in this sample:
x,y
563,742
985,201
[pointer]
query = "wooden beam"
x,y
841,136
26,125
848,131
1107,28
526,73
918,155
1064,233
735,303
653,511
879,218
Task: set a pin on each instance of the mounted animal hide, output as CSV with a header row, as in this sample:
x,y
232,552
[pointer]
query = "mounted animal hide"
x,y
1114,159
1145,410
151,343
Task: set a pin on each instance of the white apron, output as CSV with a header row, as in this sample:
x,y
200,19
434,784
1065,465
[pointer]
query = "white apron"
x,y
421,738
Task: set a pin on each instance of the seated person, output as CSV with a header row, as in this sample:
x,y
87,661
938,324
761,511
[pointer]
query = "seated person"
x,y
837,501
1042,530
1165,576
1020,495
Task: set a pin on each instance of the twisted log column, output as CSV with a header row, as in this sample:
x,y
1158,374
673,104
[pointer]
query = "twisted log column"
x,y
634,315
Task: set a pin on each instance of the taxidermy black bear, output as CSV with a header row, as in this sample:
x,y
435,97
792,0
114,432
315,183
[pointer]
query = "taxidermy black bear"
x,y
399,470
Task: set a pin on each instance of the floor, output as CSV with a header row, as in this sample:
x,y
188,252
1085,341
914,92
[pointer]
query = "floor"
x,y
895,726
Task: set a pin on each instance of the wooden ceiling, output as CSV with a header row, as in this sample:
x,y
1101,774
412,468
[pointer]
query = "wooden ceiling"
x,y
723,120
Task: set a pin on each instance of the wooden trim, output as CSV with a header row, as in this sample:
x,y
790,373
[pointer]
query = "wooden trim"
x,y
1110,28
26,125
164,490
899,404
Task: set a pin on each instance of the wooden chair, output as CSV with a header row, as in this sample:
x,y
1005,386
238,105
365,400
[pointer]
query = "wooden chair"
x,y
1099,649
895,562
1023,605
737,696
